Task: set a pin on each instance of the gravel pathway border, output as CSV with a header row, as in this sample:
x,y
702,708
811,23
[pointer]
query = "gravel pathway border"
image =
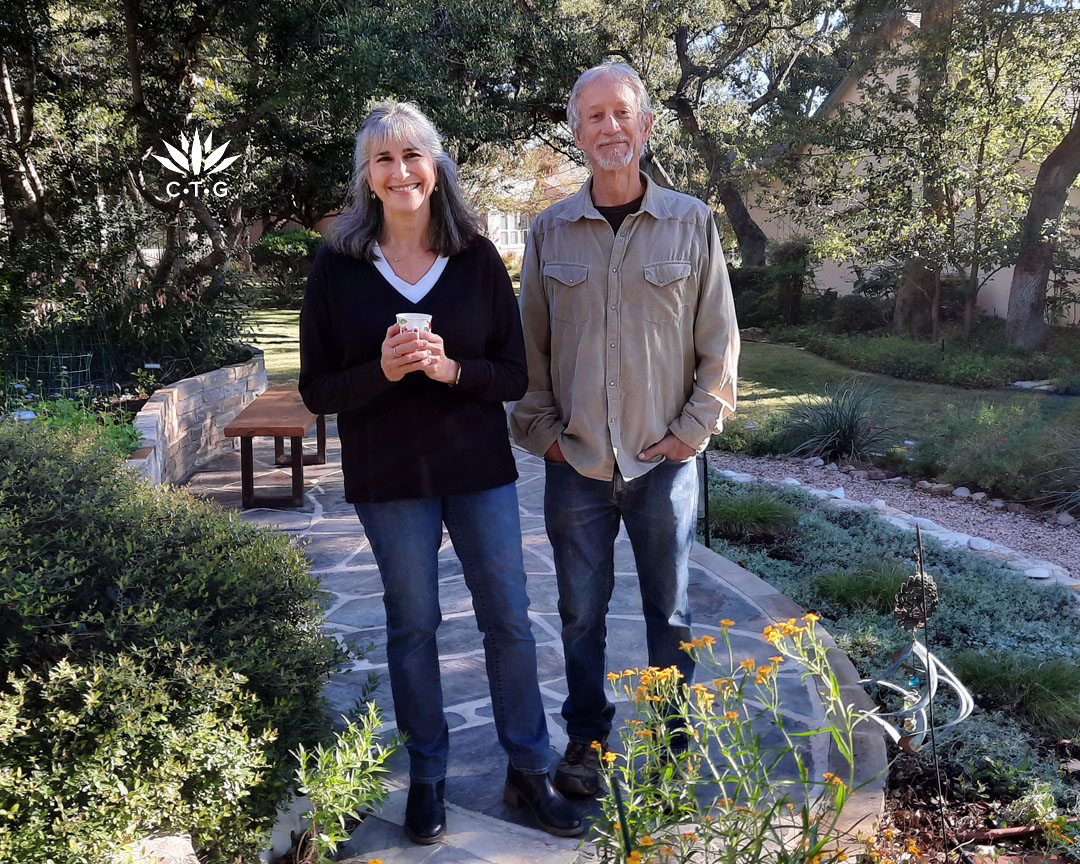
x,y
1031,542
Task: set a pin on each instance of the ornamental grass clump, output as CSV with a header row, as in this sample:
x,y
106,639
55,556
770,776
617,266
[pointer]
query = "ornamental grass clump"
x,y
841,424
730,796
750,516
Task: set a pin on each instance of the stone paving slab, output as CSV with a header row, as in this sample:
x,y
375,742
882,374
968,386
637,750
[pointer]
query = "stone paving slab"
x,y
482,828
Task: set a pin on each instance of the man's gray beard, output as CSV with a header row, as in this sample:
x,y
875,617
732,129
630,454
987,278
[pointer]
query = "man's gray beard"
x,y
615,163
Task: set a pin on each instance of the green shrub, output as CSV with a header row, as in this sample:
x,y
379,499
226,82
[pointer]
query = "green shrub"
x,y
871,588
97,563
1044,696
855,313
950,361
282,258
78,416
100,754
990,448
750,516
840,424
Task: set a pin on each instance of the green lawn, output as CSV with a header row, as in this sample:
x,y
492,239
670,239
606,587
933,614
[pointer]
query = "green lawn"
x,y
277,333
772,377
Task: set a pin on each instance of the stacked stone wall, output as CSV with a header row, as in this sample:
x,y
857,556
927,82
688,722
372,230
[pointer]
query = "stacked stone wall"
x,y
183,425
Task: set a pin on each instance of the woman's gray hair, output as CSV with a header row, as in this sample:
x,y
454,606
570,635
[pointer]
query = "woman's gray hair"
x,y
454,224
620,72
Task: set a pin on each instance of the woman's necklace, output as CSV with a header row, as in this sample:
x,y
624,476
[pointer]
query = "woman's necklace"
x,y
416,250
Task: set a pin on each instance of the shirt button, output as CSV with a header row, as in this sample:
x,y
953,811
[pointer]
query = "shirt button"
x,y
612,307
614,269
612,344
611,383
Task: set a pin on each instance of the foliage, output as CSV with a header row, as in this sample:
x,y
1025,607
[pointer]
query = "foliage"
x,y
857,313
341,782
1011,452
872,587
1044,696
80,416
761,804
98,564
981,364
105,751
929,159
843,423
749,516
282,258
985,608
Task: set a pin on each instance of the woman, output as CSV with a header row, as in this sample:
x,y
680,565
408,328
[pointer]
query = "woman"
x,y
424,442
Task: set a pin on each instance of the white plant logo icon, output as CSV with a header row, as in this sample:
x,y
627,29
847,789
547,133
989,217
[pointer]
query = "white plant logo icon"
x,y
189,162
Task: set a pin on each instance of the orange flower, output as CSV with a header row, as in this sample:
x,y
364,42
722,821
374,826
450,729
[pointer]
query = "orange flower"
x,y
812,617
748,664
726,623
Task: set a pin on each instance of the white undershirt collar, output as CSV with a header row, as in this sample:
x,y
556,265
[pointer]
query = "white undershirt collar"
x,y
411,292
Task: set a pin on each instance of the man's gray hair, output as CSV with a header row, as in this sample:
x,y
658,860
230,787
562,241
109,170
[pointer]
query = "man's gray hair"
x,y
454,224
621,72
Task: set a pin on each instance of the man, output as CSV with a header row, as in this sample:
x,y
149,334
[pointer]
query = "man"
x,y
632,348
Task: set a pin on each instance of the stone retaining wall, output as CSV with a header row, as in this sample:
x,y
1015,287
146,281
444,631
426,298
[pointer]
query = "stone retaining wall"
x,y
183,425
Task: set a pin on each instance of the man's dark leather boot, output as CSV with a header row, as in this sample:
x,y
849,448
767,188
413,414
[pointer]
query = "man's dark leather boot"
x,y
555,814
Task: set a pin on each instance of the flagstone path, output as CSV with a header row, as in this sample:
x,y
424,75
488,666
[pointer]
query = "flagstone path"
x,y
481,828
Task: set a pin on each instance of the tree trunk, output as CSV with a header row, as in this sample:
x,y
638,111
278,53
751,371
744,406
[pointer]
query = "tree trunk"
x,y
748,234
917,299
1025,328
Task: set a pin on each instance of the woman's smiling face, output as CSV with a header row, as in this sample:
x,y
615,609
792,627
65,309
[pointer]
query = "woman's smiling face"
x,y
402,176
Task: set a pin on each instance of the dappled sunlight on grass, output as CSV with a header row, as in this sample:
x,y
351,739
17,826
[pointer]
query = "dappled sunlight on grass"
x,y
277,333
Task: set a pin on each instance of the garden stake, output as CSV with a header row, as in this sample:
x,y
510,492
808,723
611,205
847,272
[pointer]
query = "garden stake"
x,y
926,637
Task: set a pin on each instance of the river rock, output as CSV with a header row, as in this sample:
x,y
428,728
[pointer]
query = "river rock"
x,y
942,488
978,496
961,492
1064,519
876,474
925,485
979,544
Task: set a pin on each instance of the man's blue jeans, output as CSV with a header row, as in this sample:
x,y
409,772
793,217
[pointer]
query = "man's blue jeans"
x,y
659,510
486,532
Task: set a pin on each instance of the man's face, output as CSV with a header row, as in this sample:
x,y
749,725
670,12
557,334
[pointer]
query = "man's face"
x,y
612,128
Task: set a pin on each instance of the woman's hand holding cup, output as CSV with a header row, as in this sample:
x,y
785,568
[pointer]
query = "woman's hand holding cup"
x,y
442,368
405,352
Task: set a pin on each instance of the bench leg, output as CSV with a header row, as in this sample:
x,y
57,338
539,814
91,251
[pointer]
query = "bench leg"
x,y
279,451
296,449
247,473
320,437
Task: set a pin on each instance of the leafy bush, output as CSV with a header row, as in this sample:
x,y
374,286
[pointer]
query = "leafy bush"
x,y
99,565
840,424
1001,451
1044,696
979,365
79,416
855,313
100,754
872,587
283,257
749,516
341,782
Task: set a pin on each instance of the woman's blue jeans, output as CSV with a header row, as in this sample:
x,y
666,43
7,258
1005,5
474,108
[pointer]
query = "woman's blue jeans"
x,y
659,510
486,533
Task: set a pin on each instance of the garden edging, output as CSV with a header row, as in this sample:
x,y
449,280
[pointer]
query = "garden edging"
x,y
183,424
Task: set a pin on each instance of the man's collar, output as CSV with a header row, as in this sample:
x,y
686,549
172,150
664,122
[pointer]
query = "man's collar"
x,y
580,204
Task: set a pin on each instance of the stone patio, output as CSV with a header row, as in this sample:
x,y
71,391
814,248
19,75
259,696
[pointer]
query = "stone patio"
x,y
481,828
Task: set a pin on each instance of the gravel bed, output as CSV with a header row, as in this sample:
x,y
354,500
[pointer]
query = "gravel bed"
x,y
1031,533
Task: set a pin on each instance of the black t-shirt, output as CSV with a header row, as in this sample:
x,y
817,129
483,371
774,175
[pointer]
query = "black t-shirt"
x,y
616,214
414,438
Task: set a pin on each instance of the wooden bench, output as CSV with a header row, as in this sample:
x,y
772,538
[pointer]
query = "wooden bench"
x,y
280,413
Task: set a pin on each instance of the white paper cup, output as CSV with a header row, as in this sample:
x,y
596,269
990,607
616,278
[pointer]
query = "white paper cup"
x,y
413,321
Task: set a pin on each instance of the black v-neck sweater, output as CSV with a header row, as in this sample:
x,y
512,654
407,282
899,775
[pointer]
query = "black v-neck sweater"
x,y
414,438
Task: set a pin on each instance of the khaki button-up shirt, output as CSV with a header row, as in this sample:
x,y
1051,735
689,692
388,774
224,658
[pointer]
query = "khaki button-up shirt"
x,y
628,335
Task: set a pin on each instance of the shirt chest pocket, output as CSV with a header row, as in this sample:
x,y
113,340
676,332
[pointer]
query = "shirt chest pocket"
x,y
567,286
665,291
